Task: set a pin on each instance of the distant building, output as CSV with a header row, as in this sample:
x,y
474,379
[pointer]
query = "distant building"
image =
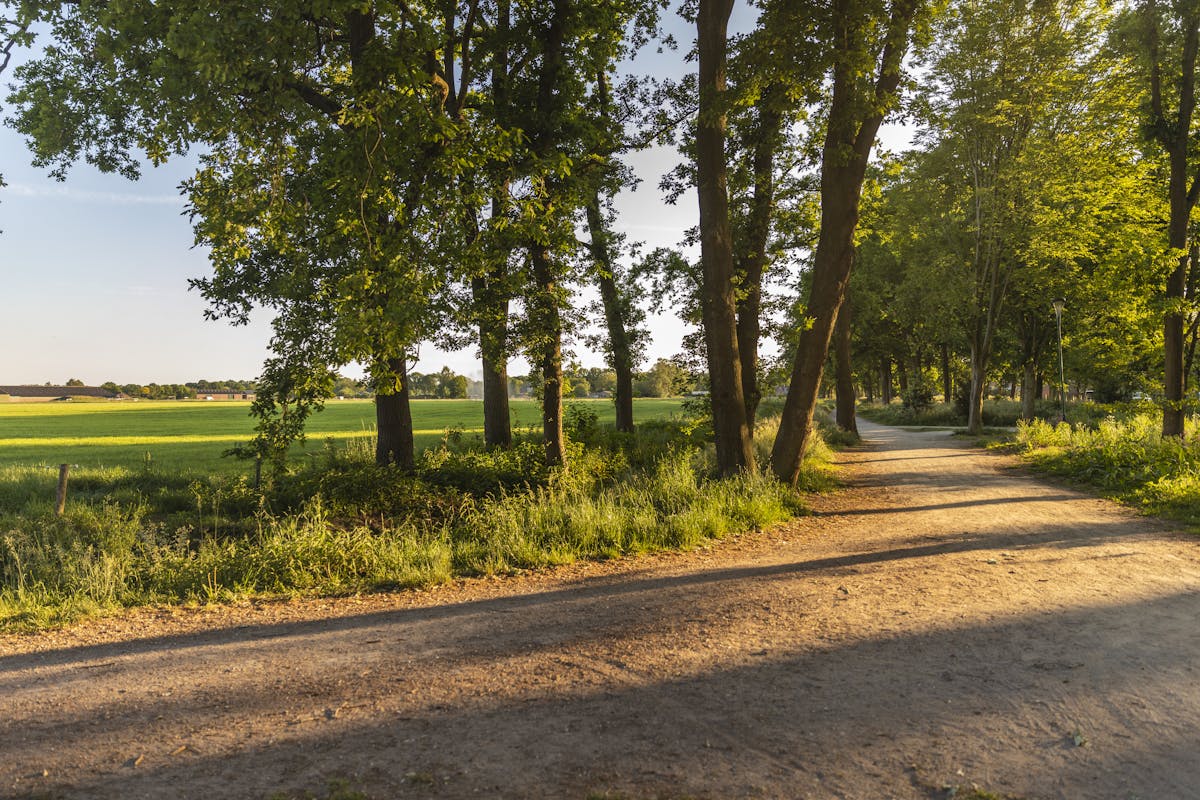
x,y
49,393
225,395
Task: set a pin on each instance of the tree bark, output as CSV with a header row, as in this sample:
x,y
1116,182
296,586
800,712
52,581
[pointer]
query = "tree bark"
x,y
734,448
975,399
614,317
1173,320
844,376
754,252
544,305
549,330
490,291
1028,388
491,308
852,125
885,380
393,420
947,380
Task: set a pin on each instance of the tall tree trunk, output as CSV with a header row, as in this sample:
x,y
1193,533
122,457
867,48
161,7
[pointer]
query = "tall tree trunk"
x,y
1173,339
544,307
885,380
490,291
844,417
1173,131
393,420
947,381
491,308
975,399
1029,389
735,450
615,306
549,331
852,124
614,316
754,252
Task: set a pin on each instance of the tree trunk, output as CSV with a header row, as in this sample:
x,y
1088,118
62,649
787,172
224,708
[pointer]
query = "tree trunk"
x,y
754,251
885,380
393,420
1173,340
947,381
735,450
549,356
978,383
614,314
844,376
851,126
1028,390
491,308
902,375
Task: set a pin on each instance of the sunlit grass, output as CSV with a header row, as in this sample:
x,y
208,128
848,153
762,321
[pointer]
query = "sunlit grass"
x,y
1126,459
334,523
192,435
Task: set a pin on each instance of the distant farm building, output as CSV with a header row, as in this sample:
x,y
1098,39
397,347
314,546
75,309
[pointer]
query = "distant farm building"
x,y
50,393
225,395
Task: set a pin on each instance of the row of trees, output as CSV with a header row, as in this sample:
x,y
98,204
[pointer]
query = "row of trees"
x,y
1044,168
384,174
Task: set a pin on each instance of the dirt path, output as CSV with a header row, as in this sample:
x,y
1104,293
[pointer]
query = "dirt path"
x,y
944,621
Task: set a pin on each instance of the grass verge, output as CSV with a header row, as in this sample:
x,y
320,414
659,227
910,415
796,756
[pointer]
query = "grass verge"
x,y
339,525
1127,460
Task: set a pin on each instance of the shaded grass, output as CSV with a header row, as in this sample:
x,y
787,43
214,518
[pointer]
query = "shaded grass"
x,y
337,524
1126,460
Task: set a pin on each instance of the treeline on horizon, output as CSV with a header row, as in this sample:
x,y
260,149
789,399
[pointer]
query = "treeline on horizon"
x,y
666,378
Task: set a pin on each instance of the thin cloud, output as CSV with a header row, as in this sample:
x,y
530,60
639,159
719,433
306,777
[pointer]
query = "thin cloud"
x,y
86,196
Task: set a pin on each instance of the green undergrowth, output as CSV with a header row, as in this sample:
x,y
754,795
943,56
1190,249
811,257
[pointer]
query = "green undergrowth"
x,y
997,413
1125,459
340,525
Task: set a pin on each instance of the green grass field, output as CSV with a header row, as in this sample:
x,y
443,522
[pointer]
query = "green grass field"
x,y
191,435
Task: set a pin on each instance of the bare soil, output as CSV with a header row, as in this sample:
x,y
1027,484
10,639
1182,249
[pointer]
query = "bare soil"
x,y
944,621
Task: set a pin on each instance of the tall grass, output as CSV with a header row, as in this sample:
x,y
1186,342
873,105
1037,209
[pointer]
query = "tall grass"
x,y
337,524
1127,459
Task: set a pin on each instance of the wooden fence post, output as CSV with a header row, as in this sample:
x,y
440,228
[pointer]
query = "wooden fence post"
x,y
60,504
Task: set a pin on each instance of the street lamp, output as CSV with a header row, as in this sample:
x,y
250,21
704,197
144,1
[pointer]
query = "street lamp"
x,y
1059,303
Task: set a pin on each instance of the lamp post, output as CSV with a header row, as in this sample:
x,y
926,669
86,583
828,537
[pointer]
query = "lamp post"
x,y
1059,303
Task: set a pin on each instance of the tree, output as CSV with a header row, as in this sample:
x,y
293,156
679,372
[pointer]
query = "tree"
x,y
1164,41
867,45
732,435
325,187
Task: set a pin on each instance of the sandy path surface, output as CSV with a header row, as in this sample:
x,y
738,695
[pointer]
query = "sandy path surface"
x,y
945,620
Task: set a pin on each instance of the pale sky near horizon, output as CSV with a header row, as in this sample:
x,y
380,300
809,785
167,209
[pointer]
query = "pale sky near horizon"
x,y
94,271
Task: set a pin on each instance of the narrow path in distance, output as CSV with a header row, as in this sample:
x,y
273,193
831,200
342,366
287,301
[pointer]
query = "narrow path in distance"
x,y
945,620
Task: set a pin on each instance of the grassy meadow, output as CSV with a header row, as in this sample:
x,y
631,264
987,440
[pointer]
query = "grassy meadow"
x,y
192,435
156,515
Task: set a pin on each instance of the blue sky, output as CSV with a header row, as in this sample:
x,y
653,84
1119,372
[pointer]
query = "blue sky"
x,y
94,271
